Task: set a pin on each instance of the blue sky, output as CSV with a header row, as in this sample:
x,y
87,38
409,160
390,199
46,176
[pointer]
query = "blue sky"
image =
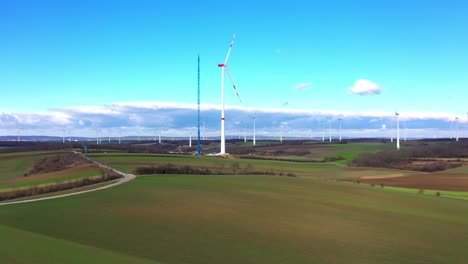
x,y
60,54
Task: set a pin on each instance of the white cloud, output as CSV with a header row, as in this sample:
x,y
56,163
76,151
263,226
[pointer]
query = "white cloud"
x,y
302,86
166,116
365,87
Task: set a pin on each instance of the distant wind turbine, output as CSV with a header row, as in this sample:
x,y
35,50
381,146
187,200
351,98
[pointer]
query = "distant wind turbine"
x,y
329,130
323,133
190,138
224,68
391,130
456,123
281,133
398,130
340,127
254,118
198,100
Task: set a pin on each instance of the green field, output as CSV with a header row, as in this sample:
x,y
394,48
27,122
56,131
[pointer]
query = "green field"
x,y
243,219
310,218
14,165
70,177
128,162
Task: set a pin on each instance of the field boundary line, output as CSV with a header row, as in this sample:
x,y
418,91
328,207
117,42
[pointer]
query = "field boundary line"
x,y
126,178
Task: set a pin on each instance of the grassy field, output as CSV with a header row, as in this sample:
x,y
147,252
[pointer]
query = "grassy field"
x,y
240,219
14,165
65,178
128,162
310,218
35,248
442,193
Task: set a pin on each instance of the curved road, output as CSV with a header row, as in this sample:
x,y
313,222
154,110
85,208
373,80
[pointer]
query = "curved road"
x,y
126,178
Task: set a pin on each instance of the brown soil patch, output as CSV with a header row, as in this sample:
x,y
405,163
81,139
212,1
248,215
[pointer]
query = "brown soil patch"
x,y
431,181
396,175
70,171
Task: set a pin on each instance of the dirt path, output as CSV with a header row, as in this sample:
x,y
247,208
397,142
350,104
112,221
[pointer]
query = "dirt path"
x,y
126,178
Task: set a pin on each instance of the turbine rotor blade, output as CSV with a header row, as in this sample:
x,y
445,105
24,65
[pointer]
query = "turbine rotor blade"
x,y
230,48
232,82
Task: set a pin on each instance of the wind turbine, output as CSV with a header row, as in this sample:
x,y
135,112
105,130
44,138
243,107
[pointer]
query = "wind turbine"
x,y
198,119
391,129
245,134
224,68
69,135
254,118
323,133
190,138
340,127
450,128
397,115
281,132
456,123
329,130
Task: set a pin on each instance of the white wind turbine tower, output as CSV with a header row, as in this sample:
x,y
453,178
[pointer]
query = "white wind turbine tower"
x,y
340,127
323,133
245,134
450,128
329,130
63,136
397,115
159,140
456,123
391,129
254,118
281,132
69,135
190,138
224,68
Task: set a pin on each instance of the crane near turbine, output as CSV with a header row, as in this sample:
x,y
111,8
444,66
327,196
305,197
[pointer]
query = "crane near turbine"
x,y
224,68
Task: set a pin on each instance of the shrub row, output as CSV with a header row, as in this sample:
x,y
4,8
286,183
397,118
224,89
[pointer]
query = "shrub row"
x,y
222,170
36,190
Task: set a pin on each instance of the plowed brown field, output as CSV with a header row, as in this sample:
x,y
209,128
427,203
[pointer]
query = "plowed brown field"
x,y
430,181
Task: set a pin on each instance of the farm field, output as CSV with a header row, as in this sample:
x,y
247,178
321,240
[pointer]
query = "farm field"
x,y
75,173
431,181
247,219
317,215
128,162
14,165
